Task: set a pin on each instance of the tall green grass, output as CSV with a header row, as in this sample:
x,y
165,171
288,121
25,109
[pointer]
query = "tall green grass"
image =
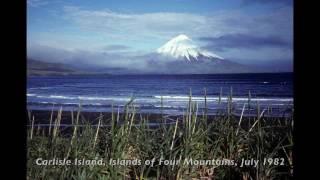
x,y
195,135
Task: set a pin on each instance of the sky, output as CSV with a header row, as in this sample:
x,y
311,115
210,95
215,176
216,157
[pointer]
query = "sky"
x,y
104,32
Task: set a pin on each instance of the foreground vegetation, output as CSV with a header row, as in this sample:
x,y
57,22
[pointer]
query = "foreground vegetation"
x,y
194,135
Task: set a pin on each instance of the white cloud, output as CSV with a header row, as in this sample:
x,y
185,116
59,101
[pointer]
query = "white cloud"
x,y
37,3
163,25
40,3
135,26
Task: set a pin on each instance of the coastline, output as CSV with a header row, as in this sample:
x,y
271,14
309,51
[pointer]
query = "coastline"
x,y
42,118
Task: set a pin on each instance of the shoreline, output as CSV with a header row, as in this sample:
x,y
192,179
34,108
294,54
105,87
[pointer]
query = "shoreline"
x,y
42,117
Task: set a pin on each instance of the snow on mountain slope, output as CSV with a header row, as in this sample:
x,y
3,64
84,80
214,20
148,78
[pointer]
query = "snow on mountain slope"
x,y
182,46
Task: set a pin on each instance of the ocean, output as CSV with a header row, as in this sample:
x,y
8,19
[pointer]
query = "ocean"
x,y
168,94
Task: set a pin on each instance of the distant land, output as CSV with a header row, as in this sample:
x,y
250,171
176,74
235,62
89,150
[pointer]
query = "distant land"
x,y
41,68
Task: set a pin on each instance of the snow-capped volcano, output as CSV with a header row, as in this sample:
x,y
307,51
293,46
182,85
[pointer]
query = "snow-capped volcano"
x,y
183,47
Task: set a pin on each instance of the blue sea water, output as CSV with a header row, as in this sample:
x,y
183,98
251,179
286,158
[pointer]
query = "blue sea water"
x,y
99,93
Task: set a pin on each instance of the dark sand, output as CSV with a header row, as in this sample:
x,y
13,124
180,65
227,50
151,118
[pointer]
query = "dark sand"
x,y
43,117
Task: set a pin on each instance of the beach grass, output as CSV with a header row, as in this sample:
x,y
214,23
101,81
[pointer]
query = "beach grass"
x,y
193,136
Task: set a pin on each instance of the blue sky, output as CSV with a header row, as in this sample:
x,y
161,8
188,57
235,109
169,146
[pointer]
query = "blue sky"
x,y
245,31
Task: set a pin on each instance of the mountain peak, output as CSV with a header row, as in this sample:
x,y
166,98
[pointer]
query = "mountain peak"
x,y
182,46
181,37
